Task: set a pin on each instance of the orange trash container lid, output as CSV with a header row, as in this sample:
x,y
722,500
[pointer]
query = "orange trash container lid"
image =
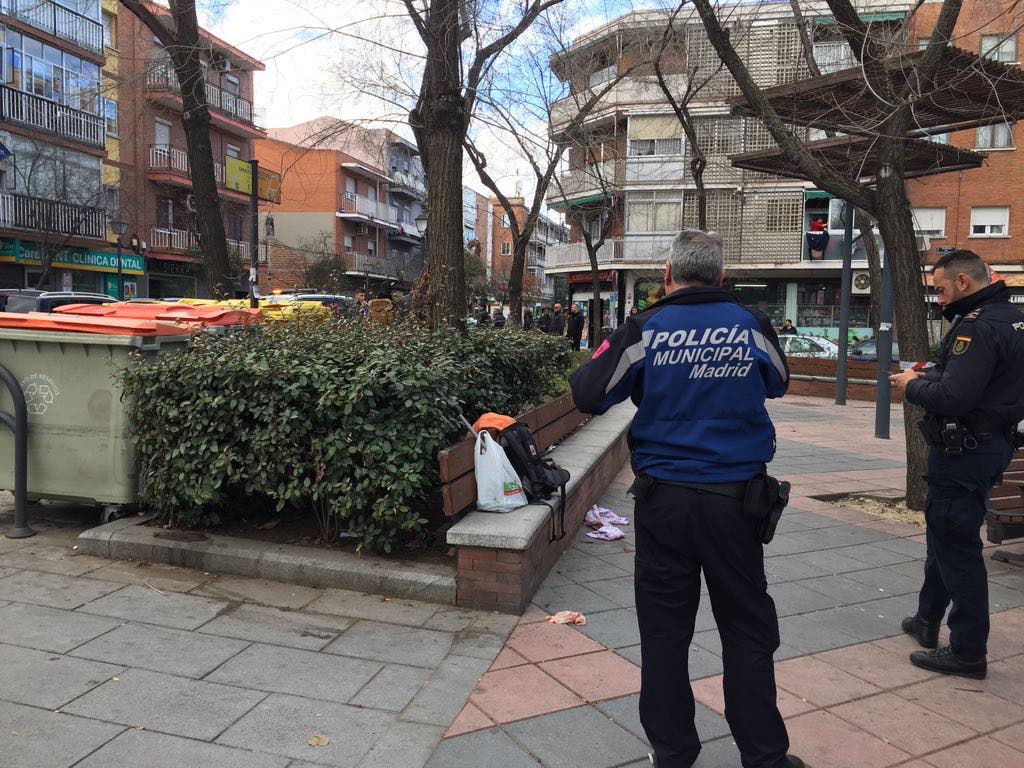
x,y
111,326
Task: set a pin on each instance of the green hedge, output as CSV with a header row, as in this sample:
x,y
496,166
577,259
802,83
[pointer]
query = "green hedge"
x,y
342,419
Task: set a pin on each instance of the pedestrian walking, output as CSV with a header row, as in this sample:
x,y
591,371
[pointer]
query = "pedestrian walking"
x,y
699,365
574,326
973,399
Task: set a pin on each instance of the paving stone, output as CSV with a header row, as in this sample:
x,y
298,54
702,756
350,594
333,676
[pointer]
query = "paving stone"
x,y
703,663
913,549
979,753
161,649
34,738
149,606
595,676
41,556
392,688
297,629
456,619
260,591
158,750
445,693
513,694
709,640
821,738
51,589
842,589
158,702
903,724
546,641
388,642
793,597
789,568
292,671
972,703
631,653
626,712
572,597
282,725
49,629
720,753
820,683
831,561
584,568
888,580
491,748
620,591
884,668
873,554
477,643
606,744
404,745
470,719
807,635
613,629
626,561
872,620
46,680
167,578
373,607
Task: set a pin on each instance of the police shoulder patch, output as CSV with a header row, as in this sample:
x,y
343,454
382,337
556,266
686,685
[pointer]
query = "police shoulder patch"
x,y
973,315
961,344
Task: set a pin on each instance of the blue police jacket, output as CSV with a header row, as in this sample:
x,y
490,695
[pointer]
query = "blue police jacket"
x,y
699,367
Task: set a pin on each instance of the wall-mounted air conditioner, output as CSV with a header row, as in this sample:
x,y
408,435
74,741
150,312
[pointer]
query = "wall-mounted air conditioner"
x,y
861,283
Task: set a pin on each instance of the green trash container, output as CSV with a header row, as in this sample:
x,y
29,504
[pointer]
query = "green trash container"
x,y
79,446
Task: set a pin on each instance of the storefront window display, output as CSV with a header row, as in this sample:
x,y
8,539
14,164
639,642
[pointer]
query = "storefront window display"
x,y
646,292
768,297
818,307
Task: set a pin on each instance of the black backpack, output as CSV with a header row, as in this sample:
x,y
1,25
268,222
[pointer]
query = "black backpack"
x,y
540,477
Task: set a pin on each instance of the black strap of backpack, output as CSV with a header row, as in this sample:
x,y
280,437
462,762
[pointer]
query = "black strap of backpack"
x,y
557,530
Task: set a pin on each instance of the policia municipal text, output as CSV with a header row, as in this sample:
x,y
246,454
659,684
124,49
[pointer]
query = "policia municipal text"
x,y
699,367
973,400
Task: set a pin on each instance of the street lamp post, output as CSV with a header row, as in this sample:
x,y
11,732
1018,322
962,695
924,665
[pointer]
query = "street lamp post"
x,y
119,227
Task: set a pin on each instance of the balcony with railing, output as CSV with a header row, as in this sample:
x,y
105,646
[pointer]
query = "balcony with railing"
x,y
638,250
408,184
370,265
56,217
58,21
359,208
183,241
173,162
594,180
632,91
160,77
52,117
657,170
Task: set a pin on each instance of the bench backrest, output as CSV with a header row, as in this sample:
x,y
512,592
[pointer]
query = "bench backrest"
x,y
549,423
1007,496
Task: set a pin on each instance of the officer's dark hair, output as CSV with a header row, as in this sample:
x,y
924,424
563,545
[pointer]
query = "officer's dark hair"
x,y
961,260
697,256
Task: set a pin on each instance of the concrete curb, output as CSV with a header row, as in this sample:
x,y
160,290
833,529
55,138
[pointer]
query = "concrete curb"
x,y
129,539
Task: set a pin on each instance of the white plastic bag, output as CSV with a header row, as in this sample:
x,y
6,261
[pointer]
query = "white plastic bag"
x,y
498,487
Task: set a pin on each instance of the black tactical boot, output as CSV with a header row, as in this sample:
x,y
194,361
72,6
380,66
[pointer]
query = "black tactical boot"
x,y
792,761
927,635
946,661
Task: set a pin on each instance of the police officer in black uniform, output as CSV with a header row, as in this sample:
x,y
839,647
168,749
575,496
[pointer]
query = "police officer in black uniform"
x,y
973,400
699,367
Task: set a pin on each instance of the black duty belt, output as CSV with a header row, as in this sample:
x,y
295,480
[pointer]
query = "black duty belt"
x,y
737,490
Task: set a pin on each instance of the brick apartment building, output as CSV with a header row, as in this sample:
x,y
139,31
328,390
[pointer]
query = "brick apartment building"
x,y
974,209
156,198
632,176
537,287
53,140
348,191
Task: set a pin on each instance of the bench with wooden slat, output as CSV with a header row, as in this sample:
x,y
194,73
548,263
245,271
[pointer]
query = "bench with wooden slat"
x,y
1006,516
550,423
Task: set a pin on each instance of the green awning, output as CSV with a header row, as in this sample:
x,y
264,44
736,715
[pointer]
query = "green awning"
x,y
817,194
867,18
572,203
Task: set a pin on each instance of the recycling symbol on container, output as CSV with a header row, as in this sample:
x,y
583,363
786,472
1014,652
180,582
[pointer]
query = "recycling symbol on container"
x,y
40,392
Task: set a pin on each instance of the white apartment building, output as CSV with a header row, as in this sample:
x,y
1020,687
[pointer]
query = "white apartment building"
x,y
633,176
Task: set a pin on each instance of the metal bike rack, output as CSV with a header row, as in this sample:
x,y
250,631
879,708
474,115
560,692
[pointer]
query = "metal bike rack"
x,y
18,424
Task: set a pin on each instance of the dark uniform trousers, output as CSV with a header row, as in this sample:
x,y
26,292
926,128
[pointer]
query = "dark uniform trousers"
x,y
679,533
954,568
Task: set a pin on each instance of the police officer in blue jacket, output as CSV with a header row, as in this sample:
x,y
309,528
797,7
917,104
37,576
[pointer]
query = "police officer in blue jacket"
x,y
699,366
973,400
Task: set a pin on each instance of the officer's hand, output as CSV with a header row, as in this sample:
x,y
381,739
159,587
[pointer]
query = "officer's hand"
x,y
902,379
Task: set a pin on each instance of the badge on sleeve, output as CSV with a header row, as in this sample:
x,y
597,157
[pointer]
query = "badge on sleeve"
x,y
962,342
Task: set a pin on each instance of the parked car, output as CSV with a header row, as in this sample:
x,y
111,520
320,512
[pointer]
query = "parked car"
x,y
809,346
340,305
867,352
31,300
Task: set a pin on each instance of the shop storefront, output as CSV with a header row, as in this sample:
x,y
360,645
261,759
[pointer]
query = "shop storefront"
x,y
581,294
813,305
171,279
73,269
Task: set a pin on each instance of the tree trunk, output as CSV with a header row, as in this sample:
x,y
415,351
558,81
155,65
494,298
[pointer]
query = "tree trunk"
x,y
439,122
874,266
196,122
897,228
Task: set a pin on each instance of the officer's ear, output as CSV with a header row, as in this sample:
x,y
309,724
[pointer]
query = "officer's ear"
x,y
721,280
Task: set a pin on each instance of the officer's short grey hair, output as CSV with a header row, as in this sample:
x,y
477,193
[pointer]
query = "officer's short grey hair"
x,y
697,256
